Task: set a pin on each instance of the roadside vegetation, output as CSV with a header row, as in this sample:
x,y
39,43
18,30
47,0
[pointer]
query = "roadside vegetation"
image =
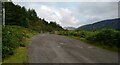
x,y
27,18
20,26
105,38
14,40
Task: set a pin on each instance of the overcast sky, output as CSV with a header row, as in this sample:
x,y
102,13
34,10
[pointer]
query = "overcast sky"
x,y
73,14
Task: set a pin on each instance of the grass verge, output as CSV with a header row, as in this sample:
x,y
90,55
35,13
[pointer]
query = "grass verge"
x,y
20,55
94,44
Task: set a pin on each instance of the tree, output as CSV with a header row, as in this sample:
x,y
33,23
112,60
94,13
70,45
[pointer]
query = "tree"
x,y
17,15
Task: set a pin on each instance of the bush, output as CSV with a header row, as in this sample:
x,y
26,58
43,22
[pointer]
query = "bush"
x,y
107,37
12,37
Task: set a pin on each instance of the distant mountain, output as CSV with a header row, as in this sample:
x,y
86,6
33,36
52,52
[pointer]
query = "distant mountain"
x,y
111,23
69,28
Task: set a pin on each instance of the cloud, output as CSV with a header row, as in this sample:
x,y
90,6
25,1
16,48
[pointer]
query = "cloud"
x,y
96,11
62,16
65,0
72,13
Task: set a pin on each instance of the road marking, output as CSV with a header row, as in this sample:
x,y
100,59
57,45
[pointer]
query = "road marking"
x,y
58,46
61,43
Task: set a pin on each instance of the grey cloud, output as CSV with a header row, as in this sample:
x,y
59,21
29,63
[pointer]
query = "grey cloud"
x,y
83,12
96,11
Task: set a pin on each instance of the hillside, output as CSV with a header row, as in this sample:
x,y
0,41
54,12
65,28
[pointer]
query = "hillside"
x,y
20,25
20,16
111,23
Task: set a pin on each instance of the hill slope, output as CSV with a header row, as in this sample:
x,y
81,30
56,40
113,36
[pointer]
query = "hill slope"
x,y
111,23
20,16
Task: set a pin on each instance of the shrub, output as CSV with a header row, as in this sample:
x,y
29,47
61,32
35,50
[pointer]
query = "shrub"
x,y
107,37
12,37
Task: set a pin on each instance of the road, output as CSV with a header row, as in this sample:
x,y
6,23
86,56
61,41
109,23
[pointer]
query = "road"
x,y
50,48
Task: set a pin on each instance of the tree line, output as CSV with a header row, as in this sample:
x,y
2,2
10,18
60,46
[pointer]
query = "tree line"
x,y
17,15
21,24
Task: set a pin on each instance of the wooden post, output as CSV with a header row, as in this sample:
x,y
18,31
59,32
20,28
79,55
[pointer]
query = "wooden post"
x,y
3,13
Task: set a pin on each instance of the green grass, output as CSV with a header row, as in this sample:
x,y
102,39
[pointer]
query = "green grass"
x,y
96,44
104,38
20,56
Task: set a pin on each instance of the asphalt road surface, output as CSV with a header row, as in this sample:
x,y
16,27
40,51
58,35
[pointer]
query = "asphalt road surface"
x,y
50,48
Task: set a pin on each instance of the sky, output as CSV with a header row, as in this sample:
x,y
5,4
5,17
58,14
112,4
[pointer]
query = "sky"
x,y
73,14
